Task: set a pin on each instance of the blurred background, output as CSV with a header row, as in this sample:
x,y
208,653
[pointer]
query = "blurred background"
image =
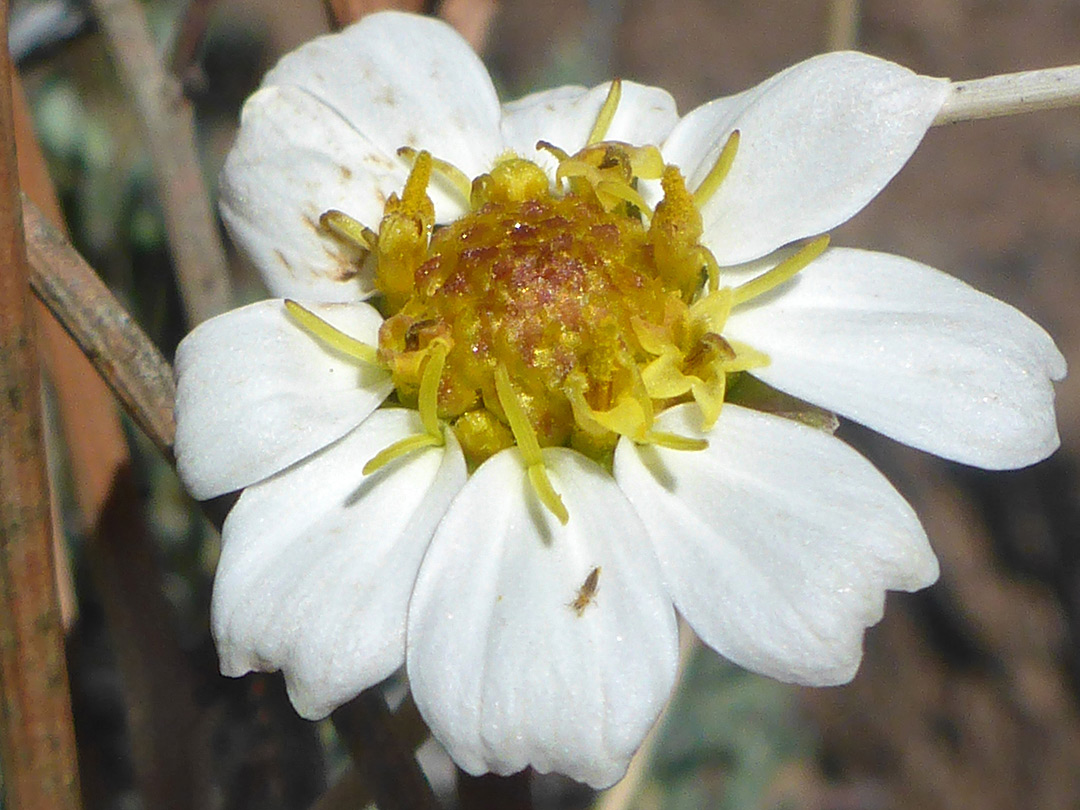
x,y
968,694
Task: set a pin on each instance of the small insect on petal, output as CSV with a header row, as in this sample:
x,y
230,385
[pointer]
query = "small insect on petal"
x,y
586,594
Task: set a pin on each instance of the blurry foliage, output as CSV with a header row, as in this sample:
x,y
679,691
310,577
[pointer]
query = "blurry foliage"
x,y
728,736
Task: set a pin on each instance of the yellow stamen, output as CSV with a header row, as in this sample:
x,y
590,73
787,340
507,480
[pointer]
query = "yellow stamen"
x,y
559,154
410,444
541,485
348,229
718,172
523,431
782,272
331,335
428,400
527,443
606,114
448,171
673,441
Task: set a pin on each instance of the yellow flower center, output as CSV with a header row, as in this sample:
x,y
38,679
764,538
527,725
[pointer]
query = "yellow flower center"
x,y
565,316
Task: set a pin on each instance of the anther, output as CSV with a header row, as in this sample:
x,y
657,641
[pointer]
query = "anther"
x,y
457,179
348,229
404,232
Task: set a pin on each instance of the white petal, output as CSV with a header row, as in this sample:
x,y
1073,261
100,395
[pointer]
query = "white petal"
x,y
564,116
912,353
294,159
255,393
818,142
504,670
317,563
777,541
404,80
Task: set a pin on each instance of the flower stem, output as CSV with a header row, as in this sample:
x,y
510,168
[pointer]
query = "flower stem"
x,y
1011,94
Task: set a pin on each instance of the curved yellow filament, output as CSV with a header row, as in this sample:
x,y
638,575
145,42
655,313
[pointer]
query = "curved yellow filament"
x,y
330,335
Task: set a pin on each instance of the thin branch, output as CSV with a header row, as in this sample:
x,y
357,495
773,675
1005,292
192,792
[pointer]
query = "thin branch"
x,y
351,790
188,38
1012,94
197,250
340,13
121,352
157,676
842,28
471,18
37,737
384,759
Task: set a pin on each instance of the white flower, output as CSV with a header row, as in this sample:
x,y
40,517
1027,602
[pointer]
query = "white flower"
x,y
532,600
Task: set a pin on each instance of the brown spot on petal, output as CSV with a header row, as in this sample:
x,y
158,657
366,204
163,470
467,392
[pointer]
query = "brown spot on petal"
x,y
387,97
284,262
341,268
380,161
346,173
346,272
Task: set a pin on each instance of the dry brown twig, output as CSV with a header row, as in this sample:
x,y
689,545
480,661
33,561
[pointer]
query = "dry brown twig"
x,y
158,679
342,12
196,246
472,18
188,39
37,738
123,355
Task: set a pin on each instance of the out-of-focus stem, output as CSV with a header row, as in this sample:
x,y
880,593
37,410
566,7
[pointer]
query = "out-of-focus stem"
x,y
194,241
384,760
37,739
842,32
624,793
343,12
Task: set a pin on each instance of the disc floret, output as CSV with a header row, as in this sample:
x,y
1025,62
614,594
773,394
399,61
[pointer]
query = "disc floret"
x,y
563,290
565,314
